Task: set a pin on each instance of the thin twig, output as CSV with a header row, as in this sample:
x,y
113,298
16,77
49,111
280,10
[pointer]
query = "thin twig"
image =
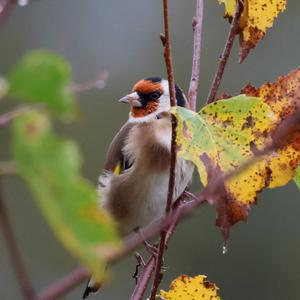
x,y
197,28
63,285
6,118
149,268
144,279
226,52
169,65
99,82
15,255
5,9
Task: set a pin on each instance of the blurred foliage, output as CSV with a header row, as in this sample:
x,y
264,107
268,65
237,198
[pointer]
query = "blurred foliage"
x,y
50,165
43,77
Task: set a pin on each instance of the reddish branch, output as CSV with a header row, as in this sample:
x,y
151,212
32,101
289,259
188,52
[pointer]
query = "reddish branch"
x,y
197,27
226,52
6,118
144,279
99,82
5,9
63,285
15,255
169,65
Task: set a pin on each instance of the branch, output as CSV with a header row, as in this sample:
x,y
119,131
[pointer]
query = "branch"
x,y
6,118
149,268
169,65
144,279
197,28
226,52
99,82
63,285
16,259
6,7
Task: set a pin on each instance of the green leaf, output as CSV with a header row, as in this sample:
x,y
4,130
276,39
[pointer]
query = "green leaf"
x,y
50,166
43,77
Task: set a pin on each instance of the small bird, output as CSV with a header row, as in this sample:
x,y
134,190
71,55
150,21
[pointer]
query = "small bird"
x,y
134,184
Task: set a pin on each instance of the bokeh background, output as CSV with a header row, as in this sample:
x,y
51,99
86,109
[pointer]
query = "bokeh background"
x,y
122,37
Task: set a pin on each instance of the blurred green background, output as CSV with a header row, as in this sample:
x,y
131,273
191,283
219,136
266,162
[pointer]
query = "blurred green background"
x,y
122,37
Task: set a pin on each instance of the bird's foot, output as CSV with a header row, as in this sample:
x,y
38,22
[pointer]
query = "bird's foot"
x,y
140,264
152,249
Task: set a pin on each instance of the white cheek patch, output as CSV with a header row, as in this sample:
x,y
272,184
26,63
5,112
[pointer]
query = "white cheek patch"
x,y
144,119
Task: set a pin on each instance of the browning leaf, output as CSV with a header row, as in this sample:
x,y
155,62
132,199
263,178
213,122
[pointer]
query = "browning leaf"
x,y
219,139
283,96
190,288
229,132
257,17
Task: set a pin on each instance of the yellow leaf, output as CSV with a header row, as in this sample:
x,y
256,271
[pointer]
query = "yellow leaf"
x,y
257,17
219,139
190,288
226,133
283,98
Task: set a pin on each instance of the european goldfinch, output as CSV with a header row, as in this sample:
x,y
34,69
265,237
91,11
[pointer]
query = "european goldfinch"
x,y
134,184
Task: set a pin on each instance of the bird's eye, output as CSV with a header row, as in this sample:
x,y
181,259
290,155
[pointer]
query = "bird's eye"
x,y
155,95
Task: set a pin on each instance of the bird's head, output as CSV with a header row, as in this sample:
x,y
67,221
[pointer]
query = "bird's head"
x,y
150,97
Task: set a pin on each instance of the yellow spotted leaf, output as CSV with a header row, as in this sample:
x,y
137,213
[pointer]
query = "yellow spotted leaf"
x,y
223,135
256,18
283,98
219,139
191,288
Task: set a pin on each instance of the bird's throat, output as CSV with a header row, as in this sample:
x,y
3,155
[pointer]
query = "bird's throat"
x,y
138,112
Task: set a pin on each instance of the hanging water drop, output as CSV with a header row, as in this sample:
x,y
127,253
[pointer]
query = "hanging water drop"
x,y
225,247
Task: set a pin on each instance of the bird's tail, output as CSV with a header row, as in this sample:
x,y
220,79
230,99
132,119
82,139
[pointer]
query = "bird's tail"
x,y
91,287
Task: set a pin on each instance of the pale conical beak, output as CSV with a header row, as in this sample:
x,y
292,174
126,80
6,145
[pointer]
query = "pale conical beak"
x,y
133,99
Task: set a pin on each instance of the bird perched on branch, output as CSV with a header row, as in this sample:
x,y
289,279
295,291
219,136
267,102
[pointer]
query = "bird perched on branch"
x,y
133,187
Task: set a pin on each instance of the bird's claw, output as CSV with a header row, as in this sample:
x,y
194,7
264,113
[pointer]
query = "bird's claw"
x,y
152,249
140,263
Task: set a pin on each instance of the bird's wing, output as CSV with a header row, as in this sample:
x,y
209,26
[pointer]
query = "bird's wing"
x,y
115,160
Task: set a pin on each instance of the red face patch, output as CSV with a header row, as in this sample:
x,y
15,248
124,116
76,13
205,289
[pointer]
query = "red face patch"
x,y
147,86
138,112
